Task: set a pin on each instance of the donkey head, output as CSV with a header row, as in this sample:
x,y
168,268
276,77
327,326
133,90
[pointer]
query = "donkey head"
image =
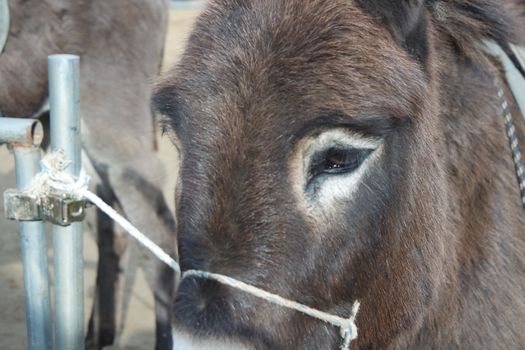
x,y
309,167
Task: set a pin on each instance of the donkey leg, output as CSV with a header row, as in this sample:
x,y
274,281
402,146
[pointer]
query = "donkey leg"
x,y
112,247
163,293
144,204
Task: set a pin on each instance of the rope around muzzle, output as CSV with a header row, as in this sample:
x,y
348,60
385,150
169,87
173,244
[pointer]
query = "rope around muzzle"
x,y
53,178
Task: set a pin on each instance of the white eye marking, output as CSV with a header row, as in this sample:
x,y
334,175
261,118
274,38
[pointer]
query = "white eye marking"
x,y
324,189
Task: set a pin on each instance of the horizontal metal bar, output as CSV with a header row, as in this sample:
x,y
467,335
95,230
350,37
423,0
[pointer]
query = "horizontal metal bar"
x,y
21,131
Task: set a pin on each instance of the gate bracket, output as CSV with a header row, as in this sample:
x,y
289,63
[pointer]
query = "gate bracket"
x,y
53,208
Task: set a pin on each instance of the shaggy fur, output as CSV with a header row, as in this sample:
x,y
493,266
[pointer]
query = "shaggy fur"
x,y
120,44
431,243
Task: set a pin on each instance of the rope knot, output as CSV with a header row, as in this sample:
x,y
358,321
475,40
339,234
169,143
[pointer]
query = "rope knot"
x,y
349,329
54,179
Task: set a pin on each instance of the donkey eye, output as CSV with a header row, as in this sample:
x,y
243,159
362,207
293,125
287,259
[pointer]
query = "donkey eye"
x,y
337,160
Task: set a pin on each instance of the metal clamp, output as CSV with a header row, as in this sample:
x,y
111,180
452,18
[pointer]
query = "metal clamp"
x,y
21,207
63,211
52,208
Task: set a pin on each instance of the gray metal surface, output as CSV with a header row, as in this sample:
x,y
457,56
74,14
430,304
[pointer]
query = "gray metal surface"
x,y
516,80
52,207
22,206
34,257
187,4
67,241
21,131
514,77
519,51
4,23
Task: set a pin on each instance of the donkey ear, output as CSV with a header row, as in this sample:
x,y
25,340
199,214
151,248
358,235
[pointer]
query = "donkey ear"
x,y
406,20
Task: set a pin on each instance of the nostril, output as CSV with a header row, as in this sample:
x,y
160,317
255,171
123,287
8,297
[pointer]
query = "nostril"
x,y
189,295
200,305
196,292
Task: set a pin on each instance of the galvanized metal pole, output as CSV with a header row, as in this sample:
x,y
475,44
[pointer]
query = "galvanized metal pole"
x,y
21,131
25,135
67,241
4,23
34,257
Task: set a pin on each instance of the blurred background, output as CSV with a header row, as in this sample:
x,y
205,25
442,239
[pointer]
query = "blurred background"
x,y
137,323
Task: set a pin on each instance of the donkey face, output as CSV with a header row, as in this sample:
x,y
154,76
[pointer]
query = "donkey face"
x,y
298,124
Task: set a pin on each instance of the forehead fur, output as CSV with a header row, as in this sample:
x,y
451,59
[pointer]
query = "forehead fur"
x,y
324,55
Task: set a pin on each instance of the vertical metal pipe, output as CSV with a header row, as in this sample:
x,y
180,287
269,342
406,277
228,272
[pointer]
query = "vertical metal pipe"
x,y
67,241
34,257
4,23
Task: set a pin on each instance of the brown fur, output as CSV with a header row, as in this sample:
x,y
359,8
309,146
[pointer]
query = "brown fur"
x,y
432,246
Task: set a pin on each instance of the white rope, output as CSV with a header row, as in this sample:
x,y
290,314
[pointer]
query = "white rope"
x,y
53,178
346,325
139,236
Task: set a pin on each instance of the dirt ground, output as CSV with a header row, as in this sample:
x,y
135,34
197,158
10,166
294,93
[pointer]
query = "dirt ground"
x,y
138,324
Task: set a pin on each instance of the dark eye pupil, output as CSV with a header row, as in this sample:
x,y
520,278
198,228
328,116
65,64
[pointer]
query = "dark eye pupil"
x,y
338,160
